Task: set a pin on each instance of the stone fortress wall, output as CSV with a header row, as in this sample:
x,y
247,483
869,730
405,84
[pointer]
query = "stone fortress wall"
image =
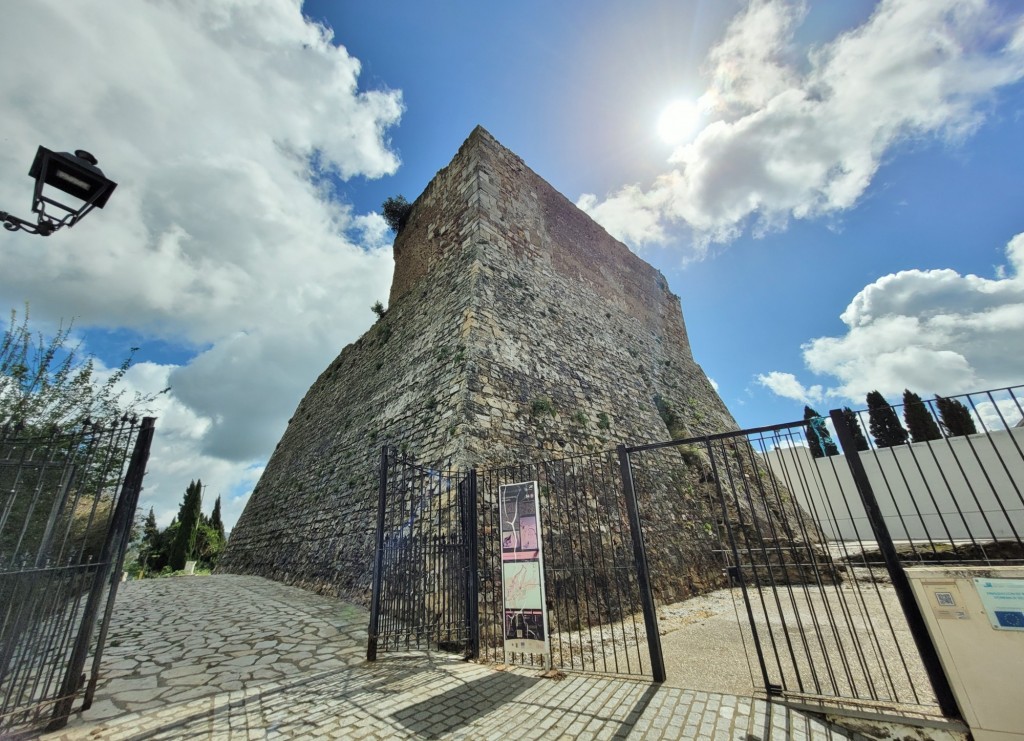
x,y
518,330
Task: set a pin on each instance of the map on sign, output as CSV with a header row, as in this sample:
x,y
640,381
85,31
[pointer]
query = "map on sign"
x,y
521,584
522,570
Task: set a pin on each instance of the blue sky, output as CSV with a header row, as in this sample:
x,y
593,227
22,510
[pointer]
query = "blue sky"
x,y
836,205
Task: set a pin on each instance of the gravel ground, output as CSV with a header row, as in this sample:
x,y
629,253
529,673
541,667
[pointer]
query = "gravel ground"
x,y
703,644
840,638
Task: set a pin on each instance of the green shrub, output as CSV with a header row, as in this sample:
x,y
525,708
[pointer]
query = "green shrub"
x,y
541,406
396,212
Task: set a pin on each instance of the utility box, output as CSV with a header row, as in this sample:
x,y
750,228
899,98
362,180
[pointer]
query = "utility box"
x,y
975,616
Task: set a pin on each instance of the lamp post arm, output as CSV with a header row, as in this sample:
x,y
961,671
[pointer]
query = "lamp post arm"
x,y
44,227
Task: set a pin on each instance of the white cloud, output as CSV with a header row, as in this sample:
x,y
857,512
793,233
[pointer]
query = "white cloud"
x,y
176,457
932,331
220,122
999,413
802,138
787,385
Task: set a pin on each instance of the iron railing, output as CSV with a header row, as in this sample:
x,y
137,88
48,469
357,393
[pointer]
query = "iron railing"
x,y
424,565
954,499
821,622
591,568
437,571
67,500
814,549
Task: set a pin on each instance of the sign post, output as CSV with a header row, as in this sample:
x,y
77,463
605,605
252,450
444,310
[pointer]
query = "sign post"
x,y
522,572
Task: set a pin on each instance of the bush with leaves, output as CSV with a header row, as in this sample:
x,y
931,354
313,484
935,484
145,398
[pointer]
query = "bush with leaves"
x,y
47,383
208,546
396,212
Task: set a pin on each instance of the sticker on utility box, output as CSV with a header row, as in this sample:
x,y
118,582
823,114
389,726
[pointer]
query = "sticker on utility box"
x,y
1003,600
945,600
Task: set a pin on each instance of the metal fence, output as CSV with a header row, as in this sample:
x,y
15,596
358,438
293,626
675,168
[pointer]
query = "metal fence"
x,y
437,573
67,501
956,498
593,573
814,549
424,566
821,622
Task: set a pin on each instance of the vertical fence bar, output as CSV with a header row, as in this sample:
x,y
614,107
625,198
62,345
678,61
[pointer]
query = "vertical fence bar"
x,y
771,688
120,521
615,526
643,577
115,575
472,574
378,557
918,628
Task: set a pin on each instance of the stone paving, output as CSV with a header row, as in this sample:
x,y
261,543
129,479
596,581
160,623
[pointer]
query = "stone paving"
x,y
228,657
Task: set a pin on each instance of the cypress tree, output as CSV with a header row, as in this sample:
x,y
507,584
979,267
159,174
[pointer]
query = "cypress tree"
x,y
161,556
853,423
883,422
818,437
956,419
189,517
920,422
215,520
150,540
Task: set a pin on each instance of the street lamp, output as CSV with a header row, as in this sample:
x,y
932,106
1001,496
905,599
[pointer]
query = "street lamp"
x,y
74,174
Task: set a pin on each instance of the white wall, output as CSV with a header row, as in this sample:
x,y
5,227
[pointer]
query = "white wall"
x,y
983,474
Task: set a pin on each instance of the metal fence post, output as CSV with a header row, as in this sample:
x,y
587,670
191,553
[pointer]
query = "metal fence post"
x,y
773,689
120,522
472,585
642,575
146,431
378,558
911,610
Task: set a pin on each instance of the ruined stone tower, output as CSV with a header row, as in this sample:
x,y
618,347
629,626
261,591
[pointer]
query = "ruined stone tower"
x,y
517,329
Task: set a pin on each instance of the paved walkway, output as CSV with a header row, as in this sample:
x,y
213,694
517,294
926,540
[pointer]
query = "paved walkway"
x,y
226,657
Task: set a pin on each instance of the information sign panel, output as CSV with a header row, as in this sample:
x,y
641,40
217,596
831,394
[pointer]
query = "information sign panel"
x,y
522,571
1003,600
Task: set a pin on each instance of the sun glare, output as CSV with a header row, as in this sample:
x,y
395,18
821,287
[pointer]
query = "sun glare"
x,y
678,122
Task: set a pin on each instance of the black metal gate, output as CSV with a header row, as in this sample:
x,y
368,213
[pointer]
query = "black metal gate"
x,y
438,569
67,503
814,549
424,590
825,621
818,548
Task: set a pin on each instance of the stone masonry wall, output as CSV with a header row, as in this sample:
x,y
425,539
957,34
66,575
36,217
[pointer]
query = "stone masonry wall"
x,y
517,330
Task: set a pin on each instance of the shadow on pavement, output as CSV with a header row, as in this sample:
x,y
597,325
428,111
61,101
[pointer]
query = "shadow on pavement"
x,y
463,704
626,726
296,709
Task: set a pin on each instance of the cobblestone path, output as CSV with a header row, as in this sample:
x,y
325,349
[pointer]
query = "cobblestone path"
x,y
231,657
